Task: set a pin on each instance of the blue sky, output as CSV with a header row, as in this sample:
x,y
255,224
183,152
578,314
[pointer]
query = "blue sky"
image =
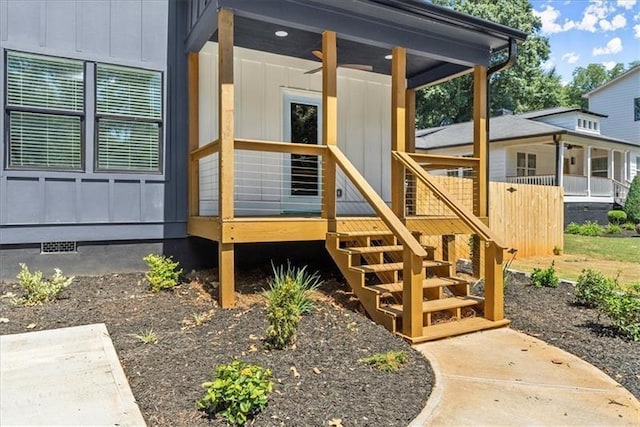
x,y
582,32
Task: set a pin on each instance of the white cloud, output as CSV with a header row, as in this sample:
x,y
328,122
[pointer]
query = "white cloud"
x,y
609,64
618,21
548,16
570,57
613,46
636,29
636,17
627,4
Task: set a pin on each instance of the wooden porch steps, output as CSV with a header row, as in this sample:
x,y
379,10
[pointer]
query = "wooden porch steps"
x,y
432,282
457,327
395,266
431,306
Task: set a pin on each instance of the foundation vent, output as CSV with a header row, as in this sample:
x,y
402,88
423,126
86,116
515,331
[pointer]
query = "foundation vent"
x,y
58,247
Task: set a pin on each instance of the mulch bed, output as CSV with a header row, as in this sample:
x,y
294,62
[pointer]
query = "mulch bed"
x,y
551,315
165,377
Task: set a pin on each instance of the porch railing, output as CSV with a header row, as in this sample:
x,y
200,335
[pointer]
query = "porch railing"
x,y
533,180
578,185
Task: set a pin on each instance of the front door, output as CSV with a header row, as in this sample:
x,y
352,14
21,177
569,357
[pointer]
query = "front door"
x,y
302,190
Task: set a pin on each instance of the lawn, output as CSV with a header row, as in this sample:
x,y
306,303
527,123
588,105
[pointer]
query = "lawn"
x,y
612,256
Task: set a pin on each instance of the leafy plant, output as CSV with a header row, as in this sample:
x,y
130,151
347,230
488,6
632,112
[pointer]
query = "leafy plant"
x,y
573,228
288,298
39,290
163,272
546,277
612,229
237,392
632,204
629,226
557,250
623,309
617,217
589,228
593,287
390,361
147,337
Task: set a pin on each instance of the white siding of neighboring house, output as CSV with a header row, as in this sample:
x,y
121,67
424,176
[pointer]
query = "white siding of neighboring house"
x,y
616,101
497,159
261,81
566,120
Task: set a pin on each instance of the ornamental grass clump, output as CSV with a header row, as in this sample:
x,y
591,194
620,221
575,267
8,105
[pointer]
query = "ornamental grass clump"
x,y
288,298
39,290
237,393
163,272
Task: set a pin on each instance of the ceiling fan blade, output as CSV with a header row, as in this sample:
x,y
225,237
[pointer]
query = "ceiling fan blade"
x,y
315,70
362,67
317,54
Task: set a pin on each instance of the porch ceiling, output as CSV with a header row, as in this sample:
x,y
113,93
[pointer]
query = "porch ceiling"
x,y
439,42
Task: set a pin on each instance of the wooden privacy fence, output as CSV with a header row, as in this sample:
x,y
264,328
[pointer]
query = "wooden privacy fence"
x,y
529,218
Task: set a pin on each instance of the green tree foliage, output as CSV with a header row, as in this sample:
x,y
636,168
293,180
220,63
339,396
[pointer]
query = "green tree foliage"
x,y
632,204
586,79
523,87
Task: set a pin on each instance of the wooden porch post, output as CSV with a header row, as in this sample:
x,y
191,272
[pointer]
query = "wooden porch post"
x,y
398,127
494,286
480,151
226,264
193,166
410,132
329,124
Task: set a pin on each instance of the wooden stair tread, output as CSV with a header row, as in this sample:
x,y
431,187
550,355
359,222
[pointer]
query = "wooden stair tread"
x,y
372,233
432,282
394,266
372,249
437,304
457,327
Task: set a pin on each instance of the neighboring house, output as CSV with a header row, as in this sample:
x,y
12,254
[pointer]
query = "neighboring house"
x,y
558,146
131,125
619,99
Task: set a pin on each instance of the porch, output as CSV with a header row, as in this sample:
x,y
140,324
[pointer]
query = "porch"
x,y
389,224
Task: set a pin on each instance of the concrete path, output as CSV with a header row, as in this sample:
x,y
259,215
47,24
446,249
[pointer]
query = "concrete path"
x,y
505,378
69,376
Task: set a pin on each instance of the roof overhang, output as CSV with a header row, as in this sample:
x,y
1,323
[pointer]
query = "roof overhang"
x,y
440,42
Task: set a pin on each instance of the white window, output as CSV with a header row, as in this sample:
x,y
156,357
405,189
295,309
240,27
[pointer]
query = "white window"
x,y
599,166
526,164
636,109
128,119
44,111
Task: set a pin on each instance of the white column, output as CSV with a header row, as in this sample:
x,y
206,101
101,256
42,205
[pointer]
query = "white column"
x,y
588,166
560,163
625,167
611,164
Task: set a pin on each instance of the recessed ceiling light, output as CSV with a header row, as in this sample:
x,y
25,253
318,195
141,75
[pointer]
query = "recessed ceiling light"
x,y
388,57
281,33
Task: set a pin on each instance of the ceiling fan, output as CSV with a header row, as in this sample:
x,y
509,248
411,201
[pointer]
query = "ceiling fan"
x,y
318,54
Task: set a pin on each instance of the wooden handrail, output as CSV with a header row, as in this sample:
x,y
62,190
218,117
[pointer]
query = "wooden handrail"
x,y
451,161
279,147
467,217
205,150
384,212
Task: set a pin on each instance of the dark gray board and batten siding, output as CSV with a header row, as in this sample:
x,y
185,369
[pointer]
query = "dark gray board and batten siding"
x,y
41,206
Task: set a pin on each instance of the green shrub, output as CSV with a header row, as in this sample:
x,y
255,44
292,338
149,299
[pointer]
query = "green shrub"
x,y
629,226
546,277
632,204
617,217
288,298
39,290
163,272
238,391
593,287
390,361
590,228
612,229
573,228
623,309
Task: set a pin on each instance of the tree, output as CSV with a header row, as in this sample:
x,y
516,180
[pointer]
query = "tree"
x,y
632,204
586,79
523,87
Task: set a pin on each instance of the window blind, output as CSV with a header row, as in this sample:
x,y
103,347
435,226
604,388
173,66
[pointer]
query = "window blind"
x,y
128,145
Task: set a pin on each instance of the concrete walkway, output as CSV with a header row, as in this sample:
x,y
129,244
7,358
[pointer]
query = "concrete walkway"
x,y
69,376
505,378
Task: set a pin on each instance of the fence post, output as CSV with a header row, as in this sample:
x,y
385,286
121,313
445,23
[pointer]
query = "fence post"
x,y
412,274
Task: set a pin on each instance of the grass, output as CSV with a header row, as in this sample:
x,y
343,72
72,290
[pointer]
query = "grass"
x,y
611,256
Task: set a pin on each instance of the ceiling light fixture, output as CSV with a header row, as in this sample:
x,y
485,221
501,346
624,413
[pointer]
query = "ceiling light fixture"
x,y
281,33
388,57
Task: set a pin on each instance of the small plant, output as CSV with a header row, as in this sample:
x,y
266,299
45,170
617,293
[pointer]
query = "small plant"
x,y
612,229
546,277
39,290
573,228
617,217
163,272
629,226
238,391
632,203
147,337
593,287
557,250
590,228
623,309
288,298
390,361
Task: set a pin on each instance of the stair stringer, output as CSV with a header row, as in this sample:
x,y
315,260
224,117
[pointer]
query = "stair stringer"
x,y
369,298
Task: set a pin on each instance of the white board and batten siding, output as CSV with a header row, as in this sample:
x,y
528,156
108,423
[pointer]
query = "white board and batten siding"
x,y
262,83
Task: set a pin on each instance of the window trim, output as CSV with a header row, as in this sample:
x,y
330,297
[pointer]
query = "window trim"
x,y
8,109
98,116
636,109
526,161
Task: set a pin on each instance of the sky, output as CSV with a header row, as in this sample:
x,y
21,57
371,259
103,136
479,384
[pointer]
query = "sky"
x,y
582,32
